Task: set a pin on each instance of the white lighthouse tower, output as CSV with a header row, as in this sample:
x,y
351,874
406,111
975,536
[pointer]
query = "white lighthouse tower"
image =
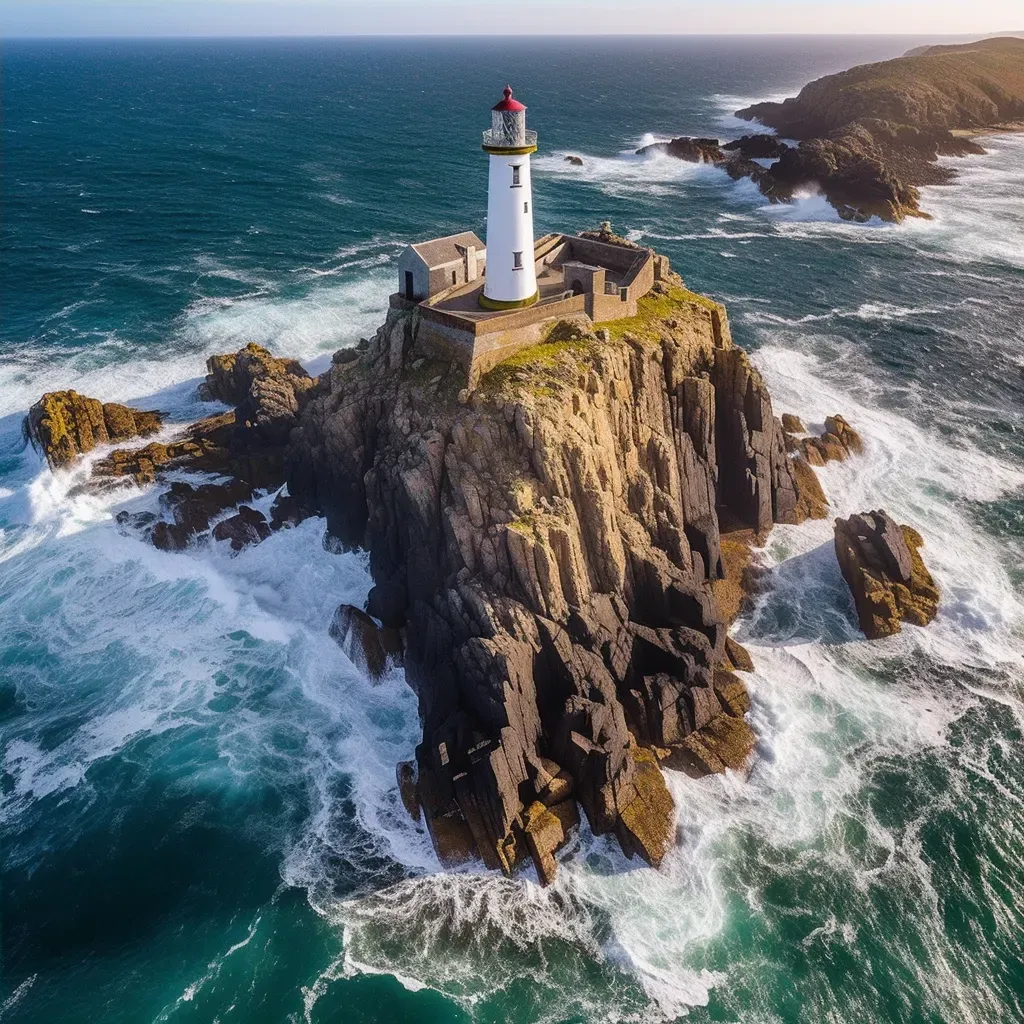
x,y
510,281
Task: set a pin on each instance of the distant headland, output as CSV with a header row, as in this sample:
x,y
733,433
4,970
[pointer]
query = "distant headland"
x,y
871,136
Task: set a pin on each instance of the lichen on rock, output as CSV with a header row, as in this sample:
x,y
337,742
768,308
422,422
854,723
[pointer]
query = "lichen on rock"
x,y
65,424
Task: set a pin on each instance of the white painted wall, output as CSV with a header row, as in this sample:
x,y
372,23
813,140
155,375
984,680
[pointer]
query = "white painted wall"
x,y
509,230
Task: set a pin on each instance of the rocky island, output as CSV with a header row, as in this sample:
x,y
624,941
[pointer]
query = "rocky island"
x,y
870,136
557,552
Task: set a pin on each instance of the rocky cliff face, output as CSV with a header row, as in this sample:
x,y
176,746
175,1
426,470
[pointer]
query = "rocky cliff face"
x,y
549,545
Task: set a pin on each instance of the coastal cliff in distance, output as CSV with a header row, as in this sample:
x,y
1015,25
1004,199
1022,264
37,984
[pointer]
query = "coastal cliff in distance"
x,y
871,135
552,548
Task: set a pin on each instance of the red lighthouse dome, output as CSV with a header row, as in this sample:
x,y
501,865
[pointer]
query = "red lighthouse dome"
x,y
508,103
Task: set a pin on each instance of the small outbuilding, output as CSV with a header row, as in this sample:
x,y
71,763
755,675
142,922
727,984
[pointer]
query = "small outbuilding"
x,y
428,268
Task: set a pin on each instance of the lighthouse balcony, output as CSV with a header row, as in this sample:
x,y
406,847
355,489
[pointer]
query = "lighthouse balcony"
x,y
502,140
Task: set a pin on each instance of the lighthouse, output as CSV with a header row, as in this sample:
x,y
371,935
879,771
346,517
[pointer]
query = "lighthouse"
x,y
510,281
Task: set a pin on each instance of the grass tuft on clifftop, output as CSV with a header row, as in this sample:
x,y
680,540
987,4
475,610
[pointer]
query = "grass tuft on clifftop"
x,y
652,311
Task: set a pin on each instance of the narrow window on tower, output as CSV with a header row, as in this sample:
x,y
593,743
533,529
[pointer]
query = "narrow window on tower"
x,y
526,207
517,261
515,175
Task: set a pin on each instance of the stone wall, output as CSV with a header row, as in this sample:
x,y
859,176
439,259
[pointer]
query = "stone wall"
x,y
479,344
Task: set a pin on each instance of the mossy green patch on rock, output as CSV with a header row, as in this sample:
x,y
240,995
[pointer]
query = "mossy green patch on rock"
x,y
654,310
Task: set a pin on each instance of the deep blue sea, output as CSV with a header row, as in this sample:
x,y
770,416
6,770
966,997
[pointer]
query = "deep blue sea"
x,y
199,814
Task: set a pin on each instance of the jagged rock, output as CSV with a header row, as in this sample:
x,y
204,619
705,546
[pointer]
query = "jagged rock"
x,y
881,562
731,693
759,482
811,502
646,824
725,743
837,443
576,161
550,547
758,147
205,447
793,424
365,643
135,520
405,774
696,151
547,830
345,355
65,424
229,378
737,656
286,511
170,536
193,508
247,526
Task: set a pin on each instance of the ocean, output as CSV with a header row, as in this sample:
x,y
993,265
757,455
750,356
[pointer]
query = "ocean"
x,y
199,814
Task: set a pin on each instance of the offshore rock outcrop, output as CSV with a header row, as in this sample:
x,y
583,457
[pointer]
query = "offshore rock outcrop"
x,y
550,545
836,443
881,562
248,445
65,424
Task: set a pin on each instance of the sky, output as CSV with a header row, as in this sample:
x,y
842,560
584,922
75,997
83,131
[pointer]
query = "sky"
x,y
490,17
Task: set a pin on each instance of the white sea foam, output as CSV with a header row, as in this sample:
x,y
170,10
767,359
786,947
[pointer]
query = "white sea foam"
x,y
628,173
727,105
323,318
980,217
326,317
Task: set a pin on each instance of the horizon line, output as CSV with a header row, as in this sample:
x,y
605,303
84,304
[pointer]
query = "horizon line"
x,y
1007,33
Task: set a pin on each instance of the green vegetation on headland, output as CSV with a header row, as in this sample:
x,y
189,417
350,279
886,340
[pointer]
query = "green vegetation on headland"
x,y
568,347
870,136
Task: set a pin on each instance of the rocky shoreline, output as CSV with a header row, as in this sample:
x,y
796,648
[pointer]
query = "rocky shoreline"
x,y
557,555
868,138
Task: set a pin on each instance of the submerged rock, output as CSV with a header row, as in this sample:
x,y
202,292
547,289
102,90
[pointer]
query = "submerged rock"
x,y
881,562
65,424
575,161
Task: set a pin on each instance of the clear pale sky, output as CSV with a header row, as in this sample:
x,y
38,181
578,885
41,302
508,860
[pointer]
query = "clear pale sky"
x,y
490,17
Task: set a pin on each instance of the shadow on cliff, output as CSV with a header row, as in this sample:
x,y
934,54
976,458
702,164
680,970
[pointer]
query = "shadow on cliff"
x,y
802,600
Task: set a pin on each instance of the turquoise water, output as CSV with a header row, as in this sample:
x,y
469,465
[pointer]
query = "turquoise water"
x,y
200,821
